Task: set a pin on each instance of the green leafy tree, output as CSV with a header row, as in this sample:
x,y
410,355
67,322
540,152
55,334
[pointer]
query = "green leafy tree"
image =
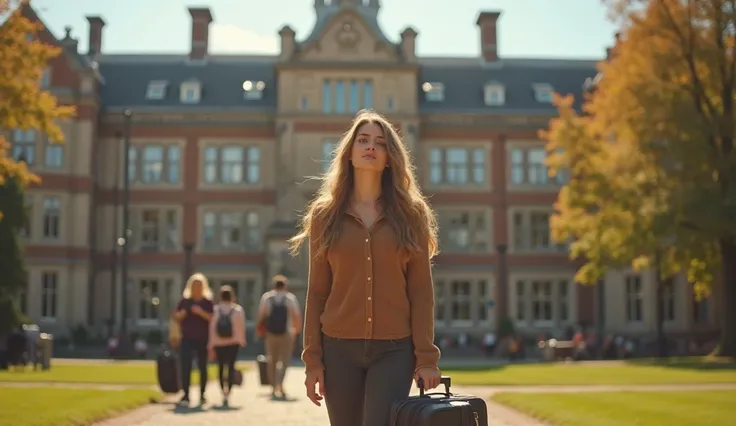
x,y
12,266
652,155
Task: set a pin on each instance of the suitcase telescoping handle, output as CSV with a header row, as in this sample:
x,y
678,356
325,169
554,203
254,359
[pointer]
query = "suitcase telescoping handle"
x,y
445,380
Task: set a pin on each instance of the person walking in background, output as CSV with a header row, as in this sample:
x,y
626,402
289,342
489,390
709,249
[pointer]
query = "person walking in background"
x,y
194,312
227,336
279,312
369,317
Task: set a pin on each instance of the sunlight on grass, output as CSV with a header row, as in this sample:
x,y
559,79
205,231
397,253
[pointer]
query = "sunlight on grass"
x,y
676,408
111,373
590,374
66,407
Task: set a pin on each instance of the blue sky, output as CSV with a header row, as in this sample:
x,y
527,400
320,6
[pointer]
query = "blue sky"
x,y
527,28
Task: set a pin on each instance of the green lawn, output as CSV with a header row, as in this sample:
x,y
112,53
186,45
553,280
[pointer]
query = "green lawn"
x,y
676,408
109,373
591,374
66,407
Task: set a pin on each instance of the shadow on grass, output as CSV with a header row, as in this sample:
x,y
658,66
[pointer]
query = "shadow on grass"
x,y
687,363
471,368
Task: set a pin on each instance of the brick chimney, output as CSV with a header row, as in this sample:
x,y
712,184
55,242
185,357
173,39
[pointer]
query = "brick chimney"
x,y
488,35
201,19
95,35
408,44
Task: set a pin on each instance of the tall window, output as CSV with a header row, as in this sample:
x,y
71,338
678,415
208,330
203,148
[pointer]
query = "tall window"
x,y
528,168
328,154
231,231
154,164
668,300
634,299
457,166
49,291
462,231
532,232
149,297
544,301
158,230
24,145
462,301
232,165
51,217
327,96
368,94
354,96
53,155
339,96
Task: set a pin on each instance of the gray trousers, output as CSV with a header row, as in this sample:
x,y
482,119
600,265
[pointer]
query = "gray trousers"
x,y
364,377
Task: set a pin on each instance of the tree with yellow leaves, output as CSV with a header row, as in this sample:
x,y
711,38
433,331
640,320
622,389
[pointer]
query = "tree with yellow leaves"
x,y
652,155
23,105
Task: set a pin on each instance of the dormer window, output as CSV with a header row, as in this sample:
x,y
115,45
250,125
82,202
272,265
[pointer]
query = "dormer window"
x,y
253,90
191,92
434,92
494,94
543,93
156,90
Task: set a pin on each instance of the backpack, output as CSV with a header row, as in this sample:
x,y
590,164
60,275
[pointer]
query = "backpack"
x,y
277,319
224,326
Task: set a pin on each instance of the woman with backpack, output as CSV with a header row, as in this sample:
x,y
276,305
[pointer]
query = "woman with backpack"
x,y
227,336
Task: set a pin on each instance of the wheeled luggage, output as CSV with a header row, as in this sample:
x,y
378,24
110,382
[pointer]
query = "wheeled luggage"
x,y
262,362
168,371
439,409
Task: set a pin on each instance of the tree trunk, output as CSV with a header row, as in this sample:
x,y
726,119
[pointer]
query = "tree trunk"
x,y
728,305
661,338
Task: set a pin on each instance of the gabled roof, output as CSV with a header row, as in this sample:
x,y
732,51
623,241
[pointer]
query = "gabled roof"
x,y
80,61
221,77
327,14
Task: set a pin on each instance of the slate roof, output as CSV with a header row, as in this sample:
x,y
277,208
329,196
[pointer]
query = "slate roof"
x,y
222,76
127,78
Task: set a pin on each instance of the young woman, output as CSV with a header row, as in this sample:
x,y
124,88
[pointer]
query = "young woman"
x,y
369,319
227,335
194,313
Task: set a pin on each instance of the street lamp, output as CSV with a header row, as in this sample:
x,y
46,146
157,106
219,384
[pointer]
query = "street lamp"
x,y
125,343
114,250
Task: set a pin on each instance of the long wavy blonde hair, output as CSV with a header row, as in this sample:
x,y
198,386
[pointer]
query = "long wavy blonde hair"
x,y
404,207
206,289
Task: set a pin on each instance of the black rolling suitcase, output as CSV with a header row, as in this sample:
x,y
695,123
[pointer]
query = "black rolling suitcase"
x,y
168,371
439,409
262,362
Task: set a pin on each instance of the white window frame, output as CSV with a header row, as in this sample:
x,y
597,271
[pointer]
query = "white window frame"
x,y
434,91
543,93
193,87
50,295
250,236
156,90
634,282
523,300
253,90
250,165
51,211
494,94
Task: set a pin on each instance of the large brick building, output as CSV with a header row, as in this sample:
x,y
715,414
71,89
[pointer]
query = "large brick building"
x,y
222,148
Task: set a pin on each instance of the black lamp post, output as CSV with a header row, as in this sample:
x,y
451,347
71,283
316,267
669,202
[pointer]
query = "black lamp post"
x,y
114,250
188,267
125,343
503,278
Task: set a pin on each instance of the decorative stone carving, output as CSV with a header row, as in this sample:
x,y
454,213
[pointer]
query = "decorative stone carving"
x,y
348,37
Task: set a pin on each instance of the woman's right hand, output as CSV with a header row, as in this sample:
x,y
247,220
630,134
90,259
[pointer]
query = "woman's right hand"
x,y
315,383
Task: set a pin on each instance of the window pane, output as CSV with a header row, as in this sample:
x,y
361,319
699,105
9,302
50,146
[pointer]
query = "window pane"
x,y
368,94
327,96
232,165
354,97
339,97
153,164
